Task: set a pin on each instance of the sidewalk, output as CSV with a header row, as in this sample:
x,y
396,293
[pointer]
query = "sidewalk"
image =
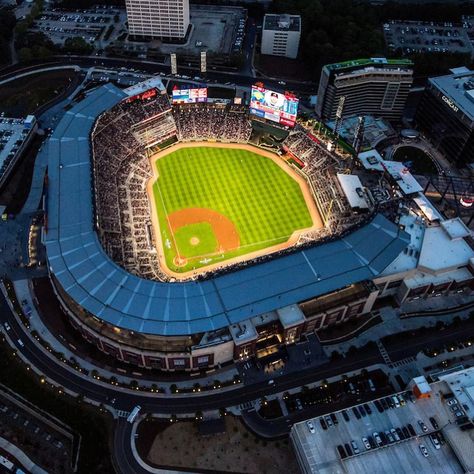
x,y
22,290
391,324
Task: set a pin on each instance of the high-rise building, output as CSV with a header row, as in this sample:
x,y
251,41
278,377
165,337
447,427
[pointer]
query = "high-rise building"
x,y
374,86
446,114
281,35
158,18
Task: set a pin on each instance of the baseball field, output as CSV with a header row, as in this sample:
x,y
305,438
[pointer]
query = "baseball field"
x,y
215,203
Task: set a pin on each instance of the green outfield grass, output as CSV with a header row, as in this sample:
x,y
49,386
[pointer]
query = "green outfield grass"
x,y
264,203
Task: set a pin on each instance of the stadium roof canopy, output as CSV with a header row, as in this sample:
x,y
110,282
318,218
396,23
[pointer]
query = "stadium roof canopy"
x,y
103,288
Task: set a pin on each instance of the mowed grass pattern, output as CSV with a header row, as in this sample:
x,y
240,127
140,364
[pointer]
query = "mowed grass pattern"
x,y
264,203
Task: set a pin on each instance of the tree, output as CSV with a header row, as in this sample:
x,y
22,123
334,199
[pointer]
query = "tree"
x,y
77,45
25,54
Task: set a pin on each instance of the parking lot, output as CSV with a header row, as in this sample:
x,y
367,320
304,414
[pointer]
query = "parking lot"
x,y
91,25
385,436
427,37
216,29
45,445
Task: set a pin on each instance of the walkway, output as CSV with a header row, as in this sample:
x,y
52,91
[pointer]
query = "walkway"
x,y
21,457
392,324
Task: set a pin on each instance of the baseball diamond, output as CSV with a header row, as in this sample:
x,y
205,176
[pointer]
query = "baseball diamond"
x,y
215,203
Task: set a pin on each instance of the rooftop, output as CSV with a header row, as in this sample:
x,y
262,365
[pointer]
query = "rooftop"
x,y
455,228
13,132
369,62
291,316
152,83
462,385
408,259
458,89
282,22
353,190
371,160
401,174
320,454
428,210
440,251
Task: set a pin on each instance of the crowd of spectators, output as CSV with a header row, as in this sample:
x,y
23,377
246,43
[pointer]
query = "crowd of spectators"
x,y
121,172
320,168
212,122
120,141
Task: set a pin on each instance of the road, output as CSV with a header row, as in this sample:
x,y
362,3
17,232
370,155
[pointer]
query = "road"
x,y
166,404
85,62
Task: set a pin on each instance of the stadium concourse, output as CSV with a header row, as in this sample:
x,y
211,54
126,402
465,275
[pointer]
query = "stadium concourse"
x,y
101,258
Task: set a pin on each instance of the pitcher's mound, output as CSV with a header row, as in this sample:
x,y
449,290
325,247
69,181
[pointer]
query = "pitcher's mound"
x,y
194,241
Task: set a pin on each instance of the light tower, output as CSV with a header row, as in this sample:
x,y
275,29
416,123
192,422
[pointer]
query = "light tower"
x,y
337,125
358,139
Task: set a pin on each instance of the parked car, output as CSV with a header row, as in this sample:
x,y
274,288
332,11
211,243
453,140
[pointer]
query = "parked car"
x,y
377,438
435,441
423,450
310,426
423,427
355,448
434,423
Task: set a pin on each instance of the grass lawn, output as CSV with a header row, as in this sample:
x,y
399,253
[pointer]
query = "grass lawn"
x,y
261,200
24,96
204,244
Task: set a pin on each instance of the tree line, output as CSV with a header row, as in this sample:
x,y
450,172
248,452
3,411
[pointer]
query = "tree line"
x,y
339,30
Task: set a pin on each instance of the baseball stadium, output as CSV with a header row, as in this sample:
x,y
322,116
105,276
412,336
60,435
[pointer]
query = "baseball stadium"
x,y
184,234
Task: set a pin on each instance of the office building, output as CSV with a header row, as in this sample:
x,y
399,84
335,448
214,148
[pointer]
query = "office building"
x,y
446,114
281,35
374,86
168,19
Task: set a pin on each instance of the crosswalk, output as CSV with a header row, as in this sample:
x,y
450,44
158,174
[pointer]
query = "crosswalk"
x,y
123,413
384,353
406,361
246,405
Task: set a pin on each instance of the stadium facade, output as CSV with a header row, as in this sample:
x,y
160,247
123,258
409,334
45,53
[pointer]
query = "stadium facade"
x,y
446,114
253,310
375,86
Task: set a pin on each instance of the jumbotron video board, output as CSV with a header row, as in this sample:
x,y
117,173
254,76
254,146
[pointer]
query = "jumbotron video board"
x,y
189,96
274,106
